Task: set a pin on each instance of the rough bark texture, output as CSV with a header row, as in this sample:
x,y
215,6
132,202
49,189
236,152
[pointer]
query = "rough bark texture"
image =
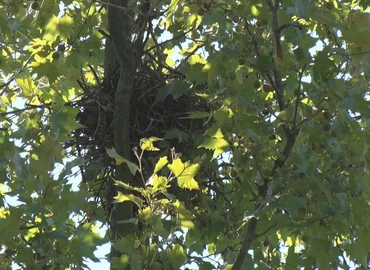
x,y
120,24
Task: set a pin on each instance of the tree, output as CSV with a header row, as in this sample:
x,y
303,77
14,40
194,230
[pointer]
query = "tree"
x,y
221,134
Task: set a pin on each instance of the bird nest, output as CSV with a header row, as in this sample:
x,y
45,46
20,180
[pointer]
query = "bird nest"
x,y
148,118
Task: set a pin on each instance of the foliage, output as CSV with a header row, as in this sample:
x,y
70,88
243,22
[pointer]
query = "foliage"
x,y
255,152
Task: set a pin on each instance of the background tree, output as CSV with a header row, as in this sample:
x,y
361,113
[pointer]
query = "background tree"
x,y
208,134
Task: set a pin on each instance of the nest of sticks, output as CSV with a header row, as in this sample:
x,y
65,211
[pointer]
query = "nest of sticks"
x,y
148,118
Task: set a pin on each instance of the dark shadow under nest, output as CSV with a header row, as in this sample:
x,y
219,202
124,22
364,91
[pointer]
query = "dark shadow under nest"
x,y
147,119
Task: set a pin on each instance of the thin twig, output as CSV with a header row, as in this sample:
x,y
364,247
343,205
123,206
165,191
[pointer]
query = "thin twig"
x,y
287,25
270,5
81,28
111,5
28,107
265,231
298,98
11,79
319,109
255,44
168,40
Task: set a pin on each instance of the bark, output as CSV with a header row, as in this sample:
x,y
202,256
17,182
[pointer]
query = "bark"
x,y
120,50
250,235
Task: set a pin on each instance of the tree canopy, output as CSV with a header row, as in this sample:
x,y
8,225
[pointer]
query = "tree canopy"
x,y
206,134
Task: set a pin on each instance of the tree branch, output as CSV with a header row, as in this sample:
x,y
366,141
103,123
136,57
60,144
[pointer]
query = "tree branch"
x,y
158,44
250,235
277,82
120,23
287,25
255,44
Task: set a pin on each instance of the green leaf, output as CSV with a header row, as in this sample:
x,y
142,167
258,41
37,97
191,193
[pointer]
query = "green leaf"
x,y
159,183
145,213
215,132
302,8
218,145
357,147
324,67
367,66
359,207
136,263
43,67
264,63
170,12
147,144
293,204
26,256
302,55
360,249
120,262
129,197
215,67
206,266
125,245
176,88
287,114
128,187
223,116
119,160
197,115
185,173
344,203
181,136
176,256
26,83
86,240
293,259
58,26
160,164
196,74
185,217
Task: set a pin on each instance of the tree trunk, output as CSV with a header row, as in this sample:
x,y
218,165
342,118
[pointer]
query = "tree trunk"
x,y
120,50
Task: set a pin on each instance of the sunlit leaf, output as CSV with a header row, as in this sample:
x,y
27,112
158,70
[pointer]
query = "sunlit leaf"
x,y
185,173
147,144
176,256
160,164
145,213
26,83
129,197
58,27
159,183
185,217
219,145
